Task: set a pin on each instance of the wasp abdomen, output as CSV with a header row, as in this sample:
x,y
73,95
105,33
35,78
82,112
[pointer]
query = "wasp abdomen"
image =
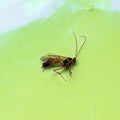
x,y
46,64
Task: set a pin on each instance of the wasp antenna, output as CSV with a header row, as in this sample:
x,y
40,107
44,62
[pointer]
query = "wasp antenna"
x,y
81,45
75,43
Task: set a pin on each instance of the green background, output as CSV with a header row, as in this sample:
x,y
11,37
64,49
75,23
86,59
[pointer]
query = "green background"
x,y
93,92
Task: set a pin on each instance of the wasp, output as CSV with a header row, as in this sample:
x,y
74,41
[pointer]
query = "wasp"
x,y
62,62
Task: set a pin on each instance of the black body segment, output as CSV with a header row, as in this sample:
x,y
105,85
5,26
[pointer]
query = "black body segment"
x,y
45,64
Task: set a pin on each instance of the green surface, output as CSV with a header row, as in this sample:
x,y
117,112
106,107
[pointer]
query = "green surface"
x,y
93,93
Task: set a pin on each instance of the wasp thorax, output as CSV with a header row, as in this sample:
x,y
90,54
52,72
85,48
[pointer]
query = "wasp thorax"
x,y
69,61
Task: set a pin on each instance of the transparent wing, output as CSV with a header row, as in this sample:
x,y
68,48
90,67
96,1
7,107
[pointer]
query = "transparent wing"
x,y
44,58
52,56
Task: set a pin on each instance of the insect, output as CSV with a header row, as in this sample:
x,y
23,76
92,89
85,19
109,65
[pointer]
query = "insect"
x,y
62,62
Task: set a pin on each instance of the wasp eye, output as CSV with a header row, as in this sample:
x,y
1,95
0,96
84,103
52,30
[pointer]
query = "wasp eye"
x,y
74,60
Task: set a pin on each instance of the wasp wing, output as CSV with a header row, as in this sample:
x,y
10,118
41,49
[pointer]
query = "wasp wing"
x,y
44,58
52,56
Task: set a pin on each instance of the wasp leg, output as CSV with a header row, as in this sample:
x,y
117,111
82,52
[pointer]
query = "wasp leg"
x,y
70,72
56,70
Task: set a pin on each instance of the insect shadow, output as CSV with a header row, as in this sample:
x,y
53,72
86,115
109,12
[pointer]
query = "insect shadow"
x,y
59,62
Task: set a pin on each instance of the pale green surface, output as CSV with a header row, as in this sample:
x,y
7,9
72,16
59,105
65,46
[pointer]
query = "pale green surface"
x,y
93,93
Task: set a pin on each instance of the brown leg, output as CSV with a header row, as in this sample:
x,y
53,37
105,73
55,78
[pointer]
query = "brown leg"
x,y
70,72
56,70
